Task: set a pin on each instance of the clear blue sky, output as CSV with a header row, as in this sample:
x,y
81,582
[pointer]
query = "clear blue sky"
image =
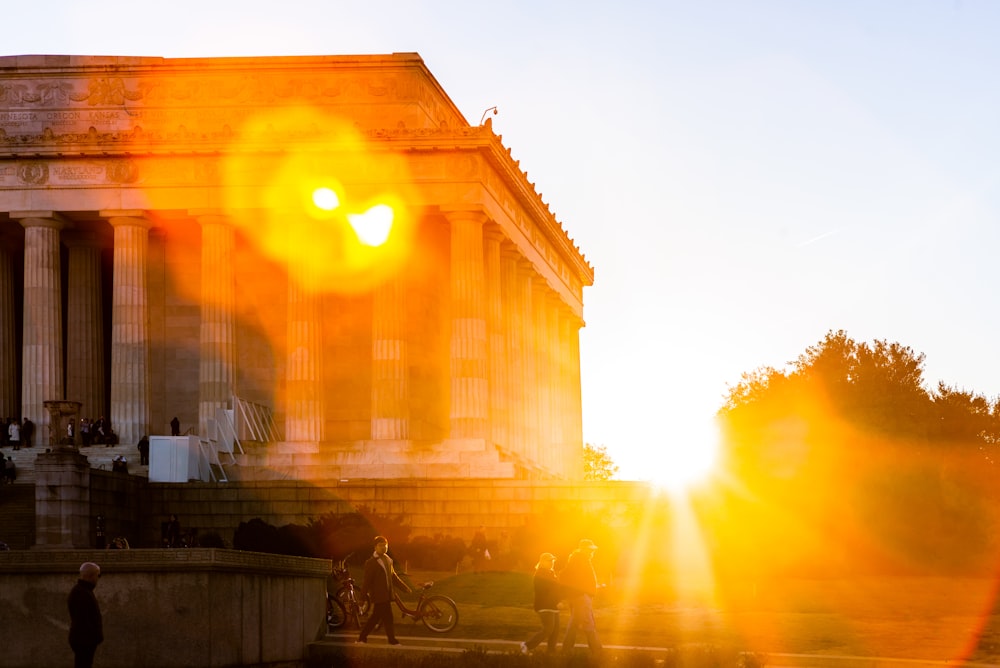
x,y
743,176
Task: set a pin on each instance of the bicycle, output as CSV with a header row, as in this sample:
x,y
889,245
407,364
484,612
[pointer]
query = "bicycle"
x,y
437,612
343,606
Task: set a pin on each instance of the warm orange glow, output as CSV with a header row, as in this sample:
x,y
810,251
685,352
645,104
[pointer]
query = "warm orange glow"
x,y
333,208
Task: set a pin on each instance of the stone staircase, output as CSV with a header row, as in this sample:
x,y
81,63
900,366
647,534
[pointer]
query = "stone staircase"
x,y
99,456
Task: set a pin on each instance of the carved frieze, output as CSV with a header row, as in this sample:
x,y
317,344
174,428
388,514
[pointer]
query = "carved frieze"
x,y
33,173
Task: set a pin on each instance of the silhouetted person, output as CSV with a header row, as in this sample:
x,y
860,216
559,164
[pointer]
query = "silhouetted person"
x,y
173,532
548,593
27,432
143,450
175,427
377,583
86,629
580,582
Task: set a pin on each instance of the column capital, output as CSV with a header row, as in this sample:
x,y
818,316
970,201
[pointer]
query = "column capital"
x,y
508,247
127,217
473,213
541,286
526,267
492,232
211,216
52,219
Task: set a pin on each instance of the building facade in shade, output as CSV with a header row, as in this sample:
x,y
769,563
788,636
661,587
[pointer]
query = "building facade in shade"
x,y
324,238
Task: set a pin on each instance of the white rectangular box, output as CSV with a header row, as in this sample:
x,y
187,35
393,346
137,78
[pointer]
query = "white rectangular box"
x,y
175,459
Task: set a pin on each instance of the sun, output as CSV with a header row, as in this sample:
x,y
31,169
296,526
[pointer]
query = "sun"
x,y
685,461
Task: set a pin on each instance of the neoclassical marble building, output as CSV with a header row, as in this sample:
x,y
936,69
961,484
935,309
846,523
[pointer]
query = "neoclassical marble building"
x,y
181,235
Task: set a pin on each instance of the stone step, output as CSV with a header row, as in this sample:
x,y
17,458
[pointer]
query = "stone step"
x,y
99,456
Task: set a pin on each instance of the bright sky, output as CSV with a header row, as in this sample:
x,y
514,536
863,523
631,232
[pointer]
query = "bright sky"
x,y
743,176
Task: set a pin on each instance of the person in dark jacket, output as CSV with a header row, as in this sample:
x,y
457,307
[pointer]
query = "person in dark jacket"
x,y
377,583
86,629
548,593
580,581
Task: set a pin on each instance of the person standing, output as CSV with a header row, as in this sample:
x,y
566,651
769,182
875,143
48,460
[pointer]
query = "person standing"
x,y
143,447
175,427
480,550
14,433
86,629
27,432
547,596
377,583
580,582
172,532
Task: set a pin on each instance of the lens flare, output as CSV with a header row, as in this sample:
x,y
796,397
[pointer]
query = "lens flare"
x,y
326,199
372,226
334,207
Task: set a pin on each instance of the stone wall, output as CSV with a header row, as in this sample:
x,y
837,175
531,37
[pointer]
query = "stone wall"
x,y
166,607
449,507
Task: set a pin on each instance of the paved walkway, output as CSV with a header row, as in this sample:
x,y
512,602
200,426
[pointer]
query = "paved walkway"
x,y
339,643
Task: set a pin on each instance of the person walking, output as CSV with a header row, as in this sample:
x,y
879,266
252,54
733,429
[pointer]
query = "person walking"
x,y
548,593
580,581
377,583
86,629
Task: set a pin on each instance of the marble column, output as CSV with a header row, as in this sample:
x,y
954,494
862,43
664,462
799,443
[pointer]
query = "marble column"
x,y
42,355
85,323
557,408
217,331
9,399
513,334
390,362
543,367
304,404
469,385
573,445
130,381
529,361
496,326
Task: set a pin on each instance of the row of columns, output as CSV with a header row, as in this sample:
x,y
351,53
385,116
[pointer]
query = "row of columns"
x,y
41,367
514,355
514,349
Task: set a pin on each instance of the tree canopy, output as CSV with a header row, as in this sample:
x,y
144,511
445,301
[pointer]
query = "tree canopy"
x,y
877,387
597,463
849,460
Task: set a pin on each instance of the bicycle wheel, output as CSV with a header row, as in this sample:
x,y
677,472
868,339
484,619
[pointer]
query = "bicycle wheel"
x,y
336,616
438,613
350,603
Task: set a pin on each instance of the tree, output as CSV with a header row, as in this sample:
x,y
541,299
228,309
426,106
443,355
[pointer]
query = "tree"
x,y
597,463
876,387
848,460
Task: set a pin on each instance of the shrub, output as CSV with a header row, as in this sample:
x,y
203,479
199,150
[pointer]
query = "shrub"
x,y
440,553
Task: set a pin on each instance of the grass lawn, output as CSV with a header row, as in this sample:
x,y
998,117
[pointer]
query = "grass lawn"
x,y
931,618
